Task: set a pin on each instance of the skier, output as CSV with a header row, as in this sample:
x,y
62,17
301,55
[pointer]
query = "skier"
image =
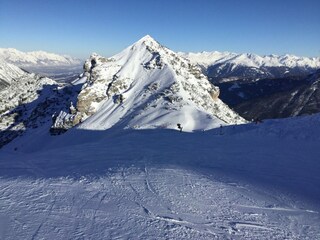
x,y
258,120
180,127
121,98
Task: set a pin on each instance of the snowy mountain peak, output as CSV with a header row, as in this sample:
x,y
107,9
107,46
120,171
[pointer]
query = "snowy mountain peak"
x,y
147,41
147,38
148,86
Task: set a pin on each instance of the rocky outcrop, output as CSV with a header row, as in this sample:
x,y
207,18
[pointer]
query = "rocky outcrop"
x,y
214,93
62,123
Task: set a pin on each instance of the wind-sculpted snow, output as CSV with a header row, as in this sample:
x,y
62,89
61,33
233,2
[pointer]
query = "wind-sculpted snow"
x,y
149,86
239,182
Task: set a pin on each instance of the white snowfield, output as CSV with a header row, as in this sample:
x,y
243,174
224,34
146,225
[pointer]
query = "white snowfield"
x,y
239,182
251,60
159,88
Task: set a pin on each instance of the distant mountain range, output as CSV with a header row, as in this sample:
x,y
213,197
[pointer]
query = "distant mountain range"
x,y
55,66
260,87
226,66
36,58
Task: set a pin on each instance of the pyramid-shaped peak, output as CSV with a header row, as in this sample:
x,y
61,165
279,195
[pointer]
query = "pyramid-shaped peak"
x,y
147,38
148,86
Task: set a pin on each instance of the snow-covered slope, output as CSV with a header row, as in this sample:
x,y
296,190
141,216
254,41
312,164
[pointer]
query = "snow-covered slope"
x,y
252,182
159,88
25,101
36,58
8,73
226,65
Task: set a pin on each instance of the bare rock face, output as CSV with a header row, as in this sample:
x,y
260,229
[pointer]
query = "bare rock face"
x,y
89,98
214,93
77,119
85,100
62,123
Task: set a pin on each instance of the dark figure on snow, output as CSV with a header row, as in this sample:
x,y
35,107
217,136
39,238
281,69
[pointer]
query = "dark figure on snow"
x,y
121,98
258,120
180,127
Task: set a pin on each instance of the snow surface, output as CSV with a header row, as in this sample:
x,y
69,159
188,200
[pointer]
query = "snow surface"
x,y
239,182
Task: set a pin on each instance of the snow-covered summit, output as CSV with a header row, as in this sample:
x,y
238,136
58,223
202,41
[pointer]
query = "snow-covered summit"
x,y
36,58
148,86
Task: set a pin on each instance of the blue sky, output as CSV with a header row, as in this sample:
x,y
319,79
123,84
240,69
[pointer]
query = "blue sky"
x,y
78,27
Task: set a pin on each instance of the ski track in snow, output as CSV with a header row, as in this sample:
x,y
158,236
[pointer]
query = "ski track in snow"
x,y
144,204
160,184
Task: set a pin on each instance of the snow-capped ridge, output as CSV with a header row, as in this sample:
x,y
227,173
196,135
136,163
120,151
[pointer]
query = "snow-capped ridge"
x,y
272,60
228,66
36,58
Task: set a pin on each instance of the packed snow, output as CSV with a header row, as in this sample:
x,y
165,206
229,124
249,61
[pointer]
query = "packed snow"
x,y
239,182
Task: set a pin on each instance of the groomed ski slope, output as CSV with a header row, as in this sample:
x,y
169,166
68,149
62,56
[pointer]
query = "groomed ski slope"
x,y
252,182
